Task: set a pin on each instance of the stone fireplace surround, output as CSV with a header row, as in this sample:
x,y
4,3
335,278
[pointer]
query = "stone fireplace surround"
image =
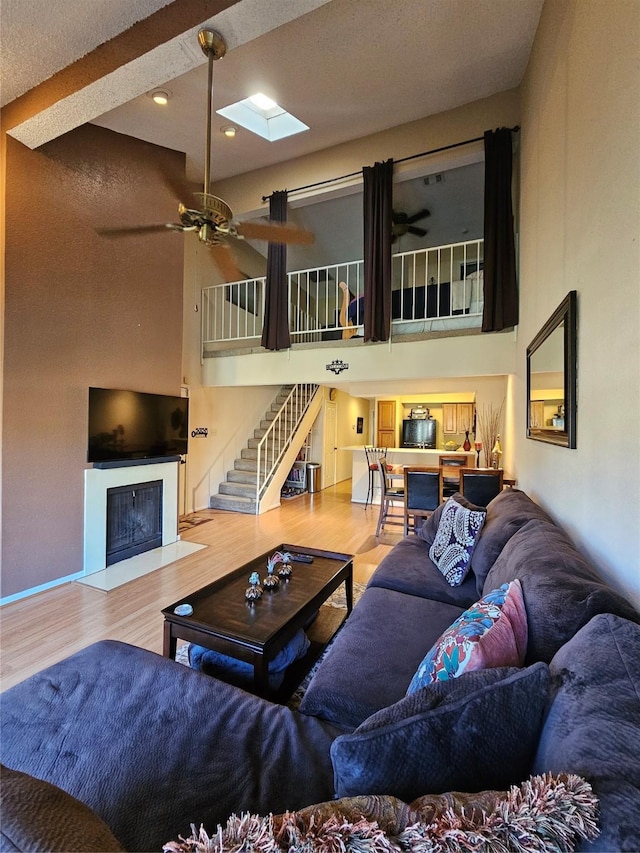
x,y
96,483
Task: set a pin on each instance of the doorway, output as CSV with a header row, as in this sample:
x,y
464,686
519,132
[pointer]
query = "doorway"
x,y
330,449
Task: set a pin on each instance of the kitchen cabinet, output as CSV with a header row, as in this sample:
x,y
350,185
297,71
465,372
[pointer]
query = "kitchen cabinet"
x,y
386,423
449,418
457,418
465,417
536,414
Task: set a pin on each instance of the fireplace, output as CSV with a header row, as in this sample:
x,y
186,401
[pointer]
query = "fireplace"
x,y
99,482
134,520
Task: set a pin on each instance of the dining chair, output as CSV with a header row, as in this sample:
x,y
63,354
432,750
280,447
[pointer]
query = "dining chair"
x,y
372,454
422,488
481,485
450,466
389,499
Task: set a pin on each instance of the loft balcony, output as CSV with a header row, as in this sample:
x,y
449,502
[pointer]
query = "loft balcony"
x,y
436,292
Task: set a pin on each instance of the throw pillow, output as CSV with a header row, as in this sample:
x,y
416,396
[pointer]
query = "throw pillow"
x,y
477,732
458,531
240,672
492,632
542,814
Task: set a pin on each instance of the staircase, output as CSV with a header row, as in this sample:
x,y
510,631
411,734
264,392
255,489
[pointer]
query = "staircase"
x,y
266,460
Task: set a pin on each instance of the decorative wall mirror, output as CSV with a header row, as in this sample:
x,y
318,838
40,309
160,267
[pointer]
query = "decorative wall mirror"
x,y
551,377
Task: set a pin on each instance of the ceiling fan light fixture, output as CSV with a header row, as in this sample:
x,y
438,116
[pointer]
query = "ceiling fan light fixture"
x,y
160,97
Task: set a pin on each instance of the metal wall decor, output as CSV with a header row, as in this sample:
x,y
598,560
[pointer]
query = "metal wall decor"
x,y
337,366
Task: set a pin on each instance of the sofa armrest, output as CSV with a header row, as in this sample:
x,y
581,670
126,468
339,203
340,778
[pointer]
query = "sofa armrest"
x,y
38,816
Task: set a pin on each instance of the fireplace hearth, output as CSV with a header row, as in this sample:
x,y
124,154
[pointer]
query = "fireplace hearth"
x,y
99,481
134,520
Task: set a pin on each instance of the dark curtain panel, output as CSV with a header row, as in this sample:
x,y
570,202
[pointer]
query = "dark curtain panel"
x,y
500,286
275,331
378,192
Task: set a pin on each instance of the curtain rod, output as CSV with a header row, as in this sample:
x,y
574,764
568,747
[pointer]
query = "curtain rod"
x,y
402,160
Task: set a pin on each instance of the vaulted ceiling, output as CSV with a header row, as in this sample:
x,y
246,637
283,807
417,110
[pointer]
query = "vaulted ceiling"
x,y
347,68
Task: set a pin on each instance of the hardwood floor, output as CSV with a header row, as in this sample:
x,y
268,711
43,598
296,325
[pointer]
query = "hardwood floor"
x,y
44,628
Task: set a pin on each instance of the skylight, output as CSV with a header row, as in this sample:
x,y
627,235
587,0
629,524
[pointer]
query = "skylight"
x,y
261,115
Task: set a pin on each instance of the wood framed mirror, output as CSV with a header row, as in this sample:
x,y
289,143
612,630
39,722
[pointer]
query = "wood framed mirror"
x,y
551,377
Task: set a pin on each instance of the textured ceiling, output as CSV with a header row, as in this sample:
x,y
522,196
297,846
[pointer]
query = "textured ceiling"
x,y
347,68
37,39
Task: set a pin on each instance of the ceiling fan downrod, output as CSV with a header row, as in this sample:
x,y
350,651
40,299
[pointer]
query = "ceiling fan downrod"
x,y
214,47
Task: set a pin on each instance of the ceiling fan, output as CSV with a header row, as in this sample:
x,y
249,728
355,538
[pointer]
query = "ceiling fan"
x,y
402,224
212,218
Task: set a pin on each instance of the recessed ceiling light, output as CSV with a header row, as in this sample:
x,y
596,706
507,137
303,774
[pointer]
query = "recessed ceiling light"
x,y
228,130
161,97
261,115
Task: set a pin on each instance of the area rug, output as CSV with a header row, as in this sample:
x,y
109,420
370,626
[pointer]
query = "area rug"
x,y
186,522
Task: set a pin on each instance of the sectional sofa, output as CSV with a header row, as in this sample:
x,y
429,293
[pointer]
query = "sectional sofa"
x,y
117,748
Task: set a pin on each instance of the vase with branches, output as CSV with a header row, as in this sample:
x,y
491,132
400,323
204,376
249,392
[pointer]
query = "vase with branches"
x,y
488,418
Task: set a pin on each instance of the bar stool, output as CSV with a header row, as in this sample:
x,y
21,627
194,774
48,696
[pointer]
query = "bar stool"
x,y
372,454
389,497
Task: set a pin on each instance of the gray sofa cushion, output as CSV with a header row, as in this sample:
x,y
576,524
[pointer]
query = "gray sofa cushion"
x,y
375,655
561,589
408,568
592,726
477,731
40,817
506,514
151,745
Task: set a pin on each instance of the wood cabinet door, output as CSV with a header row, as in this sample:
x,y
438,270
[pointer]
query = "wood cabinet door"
x,y
386,434
465,417
536,418
386,438
449,418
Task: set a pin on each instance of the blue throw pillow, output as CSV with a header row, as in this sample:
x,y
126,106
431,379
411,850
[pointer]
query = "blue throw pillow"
x,y
476,732
241,673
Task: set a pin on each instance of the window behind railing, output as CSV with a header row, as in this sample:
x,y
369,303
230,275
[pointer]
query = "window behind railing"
x,y
429,286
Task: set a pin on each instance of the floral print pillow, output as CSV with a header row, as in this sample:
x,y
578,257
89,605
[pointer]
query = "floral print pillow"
x,y
493,632
455,539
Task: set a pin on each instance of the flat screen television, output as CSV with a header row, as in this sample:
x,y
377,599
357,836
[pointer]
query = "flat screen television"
x,y
129,425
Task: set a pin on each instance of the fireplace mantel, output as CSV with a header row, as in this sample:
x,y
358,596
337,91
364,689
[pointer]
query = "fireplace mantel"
x,y
96,483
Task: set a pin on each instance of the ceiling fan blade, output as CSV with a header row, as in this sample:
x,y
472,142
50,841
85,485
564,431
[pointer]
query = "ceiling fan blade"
x,y
418,232
138,229
225,262
421,214
274,232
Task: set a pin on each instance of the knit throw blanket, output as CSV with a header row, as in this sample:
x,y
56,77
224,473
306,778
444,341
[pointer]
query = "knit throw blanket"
x,y
546,814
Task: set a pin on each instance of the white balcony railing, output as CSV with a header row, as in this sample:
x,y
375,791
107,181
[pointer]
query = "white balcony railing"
x,y
436,288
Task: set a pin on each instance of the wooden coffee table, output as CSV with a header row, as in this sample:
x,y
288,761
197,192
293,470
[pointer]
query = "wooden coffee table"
x,y
224,621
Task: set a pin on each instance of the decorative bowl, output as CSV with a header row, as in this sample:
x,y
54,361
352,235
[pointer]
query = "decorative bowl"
x,y
451,445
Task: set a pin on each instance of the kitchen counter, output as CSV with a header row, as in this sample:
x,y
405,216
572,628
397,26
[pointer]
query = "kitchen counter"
x,y
395,456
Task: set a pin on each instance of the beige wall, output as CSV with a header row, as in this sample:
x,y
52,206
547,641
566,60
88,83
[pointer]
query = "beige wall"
x,y
580,221
80,311
244,192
